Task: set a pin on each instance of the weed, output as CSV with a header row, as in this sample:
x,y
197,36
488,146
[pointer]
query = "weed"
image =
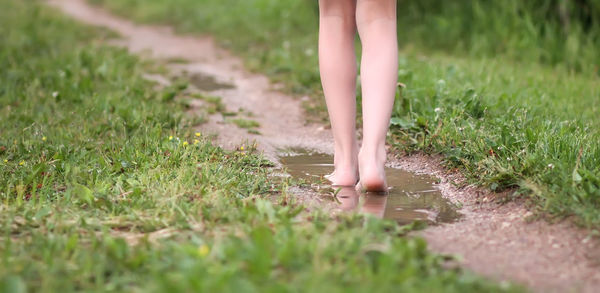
x,y
245,123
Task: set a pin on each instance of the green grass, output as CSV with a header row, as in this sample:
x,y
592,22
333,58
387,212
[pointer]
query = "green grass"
x,y
245,123
553,32
507,123
214,104
105,187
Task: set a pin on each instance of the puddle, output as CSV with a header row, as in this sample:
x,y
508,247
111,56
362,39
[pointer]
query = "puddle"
x,y
207,82
411,197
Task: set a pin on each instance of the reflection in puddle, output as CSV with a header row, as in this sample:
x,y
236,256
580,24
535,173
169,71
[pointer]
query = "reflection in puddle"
x,y
207,82
411,197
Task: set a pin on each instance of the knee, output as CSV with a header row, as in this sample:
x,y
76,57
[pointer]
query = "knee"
x,y
369,11
339,11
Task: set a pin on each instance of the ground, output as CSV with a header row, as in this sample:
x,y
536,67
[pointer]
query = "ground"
x,y
542,255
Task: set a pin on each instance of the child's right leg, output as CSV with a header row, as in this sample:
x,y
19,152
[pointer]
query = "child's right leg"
x,y
337,65
376,22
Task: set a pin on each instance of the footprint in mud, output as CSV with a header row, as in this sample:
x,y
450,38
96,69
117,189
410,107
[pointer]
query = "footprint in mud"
x,y
411,197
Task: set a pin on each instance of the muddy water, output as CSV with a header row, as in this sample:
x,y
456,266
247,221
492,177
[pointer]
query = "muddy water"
x,y
411,197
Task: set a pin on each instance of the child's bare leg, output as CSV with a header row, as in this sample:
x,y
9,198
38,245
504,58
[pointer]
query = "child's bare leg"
x,y
376,22
337,64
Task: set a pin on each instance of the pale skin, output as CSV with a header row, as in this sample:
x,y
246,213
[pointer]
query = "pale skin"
x,y
375,22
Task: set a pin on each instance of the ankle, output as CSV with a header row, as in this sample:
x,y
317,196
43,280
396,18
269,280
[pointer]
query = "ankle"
x,y
375,154
346,159
346,169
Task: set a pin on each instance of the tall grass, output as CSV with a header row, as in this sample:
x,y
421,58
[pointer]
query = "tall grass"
x,y
553,32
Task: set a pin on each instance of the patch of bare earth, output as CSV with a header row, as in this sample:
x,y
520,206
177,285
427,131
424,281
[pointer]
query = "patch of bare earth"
x,y
496,240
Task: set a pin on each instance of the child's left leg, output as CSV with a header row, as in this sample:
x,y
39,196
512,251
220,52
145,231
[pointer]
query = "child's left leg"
x,y
376,22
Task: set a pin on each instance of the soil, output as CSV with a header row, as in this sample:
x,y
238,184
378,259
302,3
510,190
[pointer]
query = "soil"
x,y
496,240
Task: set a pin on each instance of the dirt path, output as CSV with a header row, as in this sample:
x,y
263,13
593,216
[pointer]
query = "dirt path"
x,y
492,239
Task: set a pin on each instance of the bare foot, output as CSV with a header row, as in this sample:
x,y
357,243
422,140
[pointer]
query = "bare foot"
x,y
345,168
343,177
372,172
